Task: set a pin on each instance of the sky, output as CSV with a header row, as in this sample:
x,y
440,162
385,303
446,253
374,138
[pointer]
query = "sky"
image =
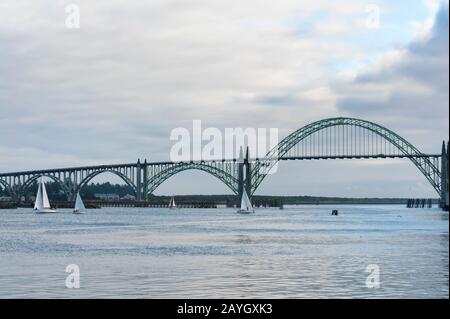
x,y
112,90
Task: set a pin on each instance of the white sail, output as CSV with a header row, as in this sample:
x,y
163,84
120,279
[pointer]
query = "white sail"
x,y
245,202
38,204
79,205
172,203
42,204
45,201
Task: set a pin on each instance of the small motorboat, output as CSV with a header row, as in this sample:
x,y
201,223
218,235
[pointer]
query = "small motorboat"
x,y
334,212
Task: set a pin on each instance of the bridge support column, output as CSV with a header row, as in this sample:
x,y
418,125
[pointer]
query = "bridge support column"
x,y
244,176
138,181
72,194
71,189
241,181
145,180
15,193
444,200
248,174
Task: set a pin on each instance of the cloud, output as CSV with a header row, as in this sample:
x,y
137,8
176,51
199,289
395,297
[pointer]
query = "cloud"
x,y
406,88
133,72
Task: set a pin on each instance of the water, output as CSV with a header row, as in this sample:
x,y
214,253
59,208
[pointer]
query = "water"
x,y
299,252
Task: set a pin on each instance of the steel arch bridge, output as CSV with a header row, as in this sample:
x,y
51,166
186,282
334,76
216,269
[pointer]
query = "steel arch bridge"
x,y
347,136
332,138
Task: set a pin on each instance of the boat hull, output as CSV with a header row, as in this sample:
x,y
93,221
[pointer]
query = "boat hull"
x,y
45,211
78,212
245,212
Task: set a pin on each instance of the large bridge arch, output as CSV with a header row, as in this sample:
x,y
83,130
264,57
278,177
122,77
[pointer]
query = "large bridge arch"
x,y
423,163
156,180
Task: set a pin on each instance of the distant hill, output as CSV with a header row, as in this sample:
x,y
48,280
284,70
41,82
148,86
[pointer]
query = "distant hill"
x,y
122,190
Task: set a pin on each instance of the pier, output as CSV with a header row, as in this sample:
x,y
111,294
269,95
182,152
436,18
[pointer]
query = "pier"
x,y
419,203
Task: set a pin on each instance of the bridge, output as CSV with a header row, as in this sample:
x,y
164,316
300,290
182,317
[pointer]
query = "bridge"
x,y
332,138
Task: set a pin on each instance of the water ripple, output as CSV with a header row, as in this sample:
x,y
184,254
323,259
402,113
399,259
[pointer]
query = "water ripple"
x,y
300,252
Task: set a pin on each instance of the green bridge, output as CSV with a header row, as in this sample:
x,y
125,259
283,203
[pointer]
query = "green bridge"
x,y
327,139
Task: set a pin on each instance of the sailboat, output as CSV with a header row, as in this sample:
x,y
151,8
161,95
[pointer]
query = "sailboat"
x,y
42,204
246,205
172,204
79,205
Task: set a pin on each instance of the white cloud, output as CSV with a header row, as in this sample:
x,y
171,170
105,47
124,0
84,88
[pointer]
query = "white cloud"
x,y
423,28
406,88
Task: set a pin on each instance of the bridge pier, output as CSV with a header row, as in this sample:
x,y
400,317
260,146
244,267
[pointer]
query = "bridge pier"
x,y
244,175
138,181
69,188
145,181
248,174
15,193
444,200
240,176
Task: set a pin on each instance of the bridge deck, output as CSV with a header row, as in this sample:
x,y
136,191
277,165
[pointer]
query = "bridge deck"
x,y
284,158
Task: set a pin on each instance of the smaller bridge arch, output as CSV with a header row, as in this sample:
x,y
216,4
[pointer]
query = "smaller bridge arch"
x,y
224,175
93,174
65,188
